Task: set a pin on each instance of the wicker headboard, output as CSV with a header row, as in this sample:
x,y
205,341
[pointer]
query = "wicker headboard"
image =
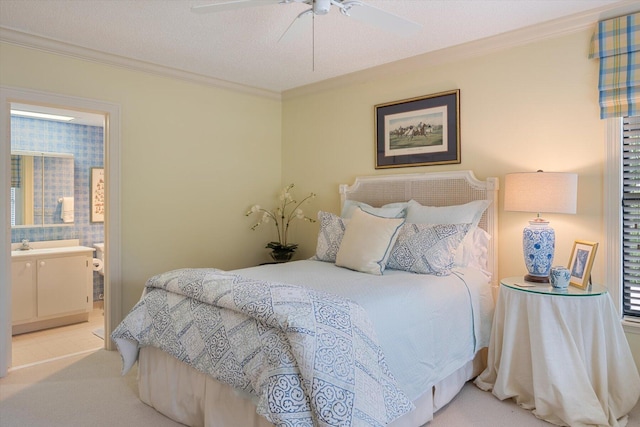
x,y
432,189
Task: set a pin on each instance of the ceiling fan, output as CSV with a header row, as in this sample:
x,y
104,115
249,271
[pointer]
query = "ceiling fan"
x,y
355,9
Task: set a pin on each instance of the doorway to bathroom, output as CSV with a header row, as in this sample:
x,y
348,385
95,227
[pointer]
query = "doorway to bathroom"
x,y
57,195
96,154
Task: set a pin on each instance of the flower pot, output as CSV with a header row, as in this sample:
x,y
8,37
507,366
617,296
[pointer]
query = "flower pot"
x,y
281,255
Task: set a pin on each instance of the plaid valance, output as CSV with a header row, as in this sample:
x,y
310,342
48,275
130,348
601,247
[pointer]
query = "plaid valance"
x,y
616,43
15,171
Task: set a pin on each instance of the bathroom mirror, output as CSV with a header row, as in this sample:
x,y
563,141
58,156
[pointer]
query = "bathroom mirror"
x,y
40,181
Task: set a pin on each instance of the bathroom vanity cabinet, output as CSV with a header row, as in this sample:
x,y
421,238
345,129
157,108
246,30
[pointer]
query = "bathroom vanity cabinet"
x,y
51,287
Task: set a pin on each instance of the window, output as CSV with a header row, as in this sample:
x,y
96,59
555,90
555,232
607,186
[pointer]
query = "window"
x,y
630,216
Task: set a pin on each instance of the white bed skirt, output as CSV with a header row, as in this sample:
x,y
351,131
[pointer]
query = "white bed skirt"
x,y
192,398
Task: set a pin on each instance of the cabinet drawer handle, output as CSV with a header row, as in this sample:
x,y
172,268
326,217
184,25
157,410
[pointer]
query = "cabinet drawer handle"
x,y
41,263
28,265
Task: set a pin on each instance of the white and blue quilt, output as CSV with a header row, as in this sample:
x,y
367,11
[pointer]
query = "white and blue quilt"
x,y
311,358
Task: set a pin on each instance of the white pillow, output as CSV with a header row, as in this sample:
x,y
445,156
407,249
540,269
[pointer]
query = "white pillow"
x,y
367,242
391,210
473,250
427,248
457,214
330,236
467,254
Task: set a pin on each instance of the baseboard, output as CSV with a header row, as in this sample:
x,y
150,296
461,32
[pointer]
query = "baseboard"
x,y
49,323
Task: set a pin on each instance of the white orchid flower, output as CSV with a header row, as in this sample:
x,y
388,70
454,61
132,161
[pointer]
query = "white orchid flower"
x,y
288,209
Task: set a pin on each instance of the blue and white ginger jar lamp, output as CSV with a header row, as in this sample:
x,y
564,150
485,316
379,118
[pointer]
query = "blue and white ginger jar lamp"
x,y
550,192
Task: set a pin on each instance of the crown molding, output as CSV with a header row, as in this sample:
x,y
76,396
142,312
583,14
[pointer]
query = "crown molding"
x,y
31,41
485,46
508,40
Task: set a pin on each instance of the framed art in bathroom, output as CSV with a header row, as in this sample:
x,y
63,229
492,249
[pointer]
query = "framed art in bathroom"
x,y
580,263
97,195
419,131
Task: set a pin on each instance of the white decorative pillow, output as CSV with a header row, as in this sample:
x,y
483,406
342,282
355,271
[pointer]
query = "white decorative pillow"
x,y
427,248
330,236
457,214
367,242
391,210
473,250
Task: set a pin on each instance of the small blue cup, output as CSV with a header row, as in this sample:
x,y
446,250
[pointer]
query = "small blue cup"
x,y
560,277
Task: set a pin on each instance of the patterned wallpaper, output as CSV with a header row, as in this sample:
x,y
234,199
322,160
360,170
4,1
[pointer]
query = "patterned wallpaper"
x,y
86,143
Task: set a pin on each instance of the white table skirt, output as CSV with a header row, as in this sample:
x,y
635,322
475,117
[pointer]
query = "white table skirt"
x,y
565,358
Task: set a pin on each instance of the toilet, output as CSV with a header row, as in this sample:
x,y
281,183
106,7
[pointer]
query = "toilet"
x,y
100,255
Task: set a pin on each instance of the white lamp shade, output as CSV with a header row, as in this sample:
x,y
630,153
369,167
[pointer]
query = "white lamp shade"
x,y
550,192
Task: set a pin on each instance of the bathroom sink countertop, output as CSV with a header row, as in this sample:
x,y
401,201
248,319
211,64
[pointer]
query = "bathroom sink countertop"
x,y
50,251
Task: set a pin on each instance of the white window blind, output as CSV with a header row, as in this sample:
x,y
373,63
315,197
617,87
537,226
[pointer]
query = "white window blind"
x,y
631,215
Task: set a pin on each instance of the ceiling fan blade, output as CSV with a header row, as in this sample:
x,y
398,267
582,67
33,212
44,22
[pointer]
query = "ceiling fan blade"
x,y
379,18
231,5
298,27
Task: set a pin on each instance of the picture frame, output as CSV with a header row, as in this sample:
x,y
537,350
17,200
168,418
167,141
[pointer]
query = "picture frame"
x,y
97,200
580,263
420,131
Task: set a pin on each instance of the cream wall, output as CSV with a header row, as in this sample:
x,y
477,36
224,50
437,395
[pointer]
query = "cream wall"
x,y
522,109
193,159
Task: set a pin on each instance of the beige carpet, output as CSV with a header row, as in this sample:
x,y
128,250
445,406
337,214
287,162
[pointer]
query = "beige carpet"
x,y
87,390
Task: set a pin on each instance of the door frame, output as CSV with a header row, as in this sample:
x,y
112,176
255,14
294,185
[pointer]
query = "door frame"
x,y
112,225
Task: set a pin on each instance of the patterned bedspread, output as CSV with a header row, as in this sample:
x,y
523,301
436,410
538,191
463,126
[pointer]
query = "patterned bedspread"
x,y
311,358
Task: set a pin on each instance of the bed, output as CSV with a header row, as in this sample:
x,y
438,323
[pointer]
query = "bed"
x,y
337,339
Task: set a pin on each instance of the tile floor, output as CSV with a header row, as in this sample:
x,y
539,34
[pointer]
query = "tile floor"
x,y
38,346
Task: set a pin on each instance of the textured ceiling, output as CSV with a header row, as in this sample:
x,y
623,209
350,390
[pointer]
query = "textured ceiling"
x,y
241,46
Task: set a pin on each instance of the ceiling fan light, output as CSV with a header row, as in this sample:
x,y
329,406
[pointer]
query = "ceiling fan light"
x,y
321,7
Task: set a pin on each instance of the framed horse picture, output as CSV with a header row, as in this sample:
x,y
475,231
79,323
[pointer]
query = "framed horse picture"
x,y
418,131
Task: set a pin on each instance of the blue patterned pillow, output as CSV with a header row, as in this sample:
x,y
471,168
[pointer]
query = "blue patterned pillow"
x,y
330,236
427,248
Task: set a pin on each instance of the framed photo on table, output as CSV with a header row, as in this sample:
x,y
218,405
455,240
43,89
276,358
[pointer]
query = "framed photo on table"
x,y
97,195
419,131
580,263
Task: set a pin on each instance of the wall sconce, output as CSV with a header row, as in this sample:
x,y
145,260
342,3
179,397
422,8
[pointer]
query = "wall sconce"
x,y
548,192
